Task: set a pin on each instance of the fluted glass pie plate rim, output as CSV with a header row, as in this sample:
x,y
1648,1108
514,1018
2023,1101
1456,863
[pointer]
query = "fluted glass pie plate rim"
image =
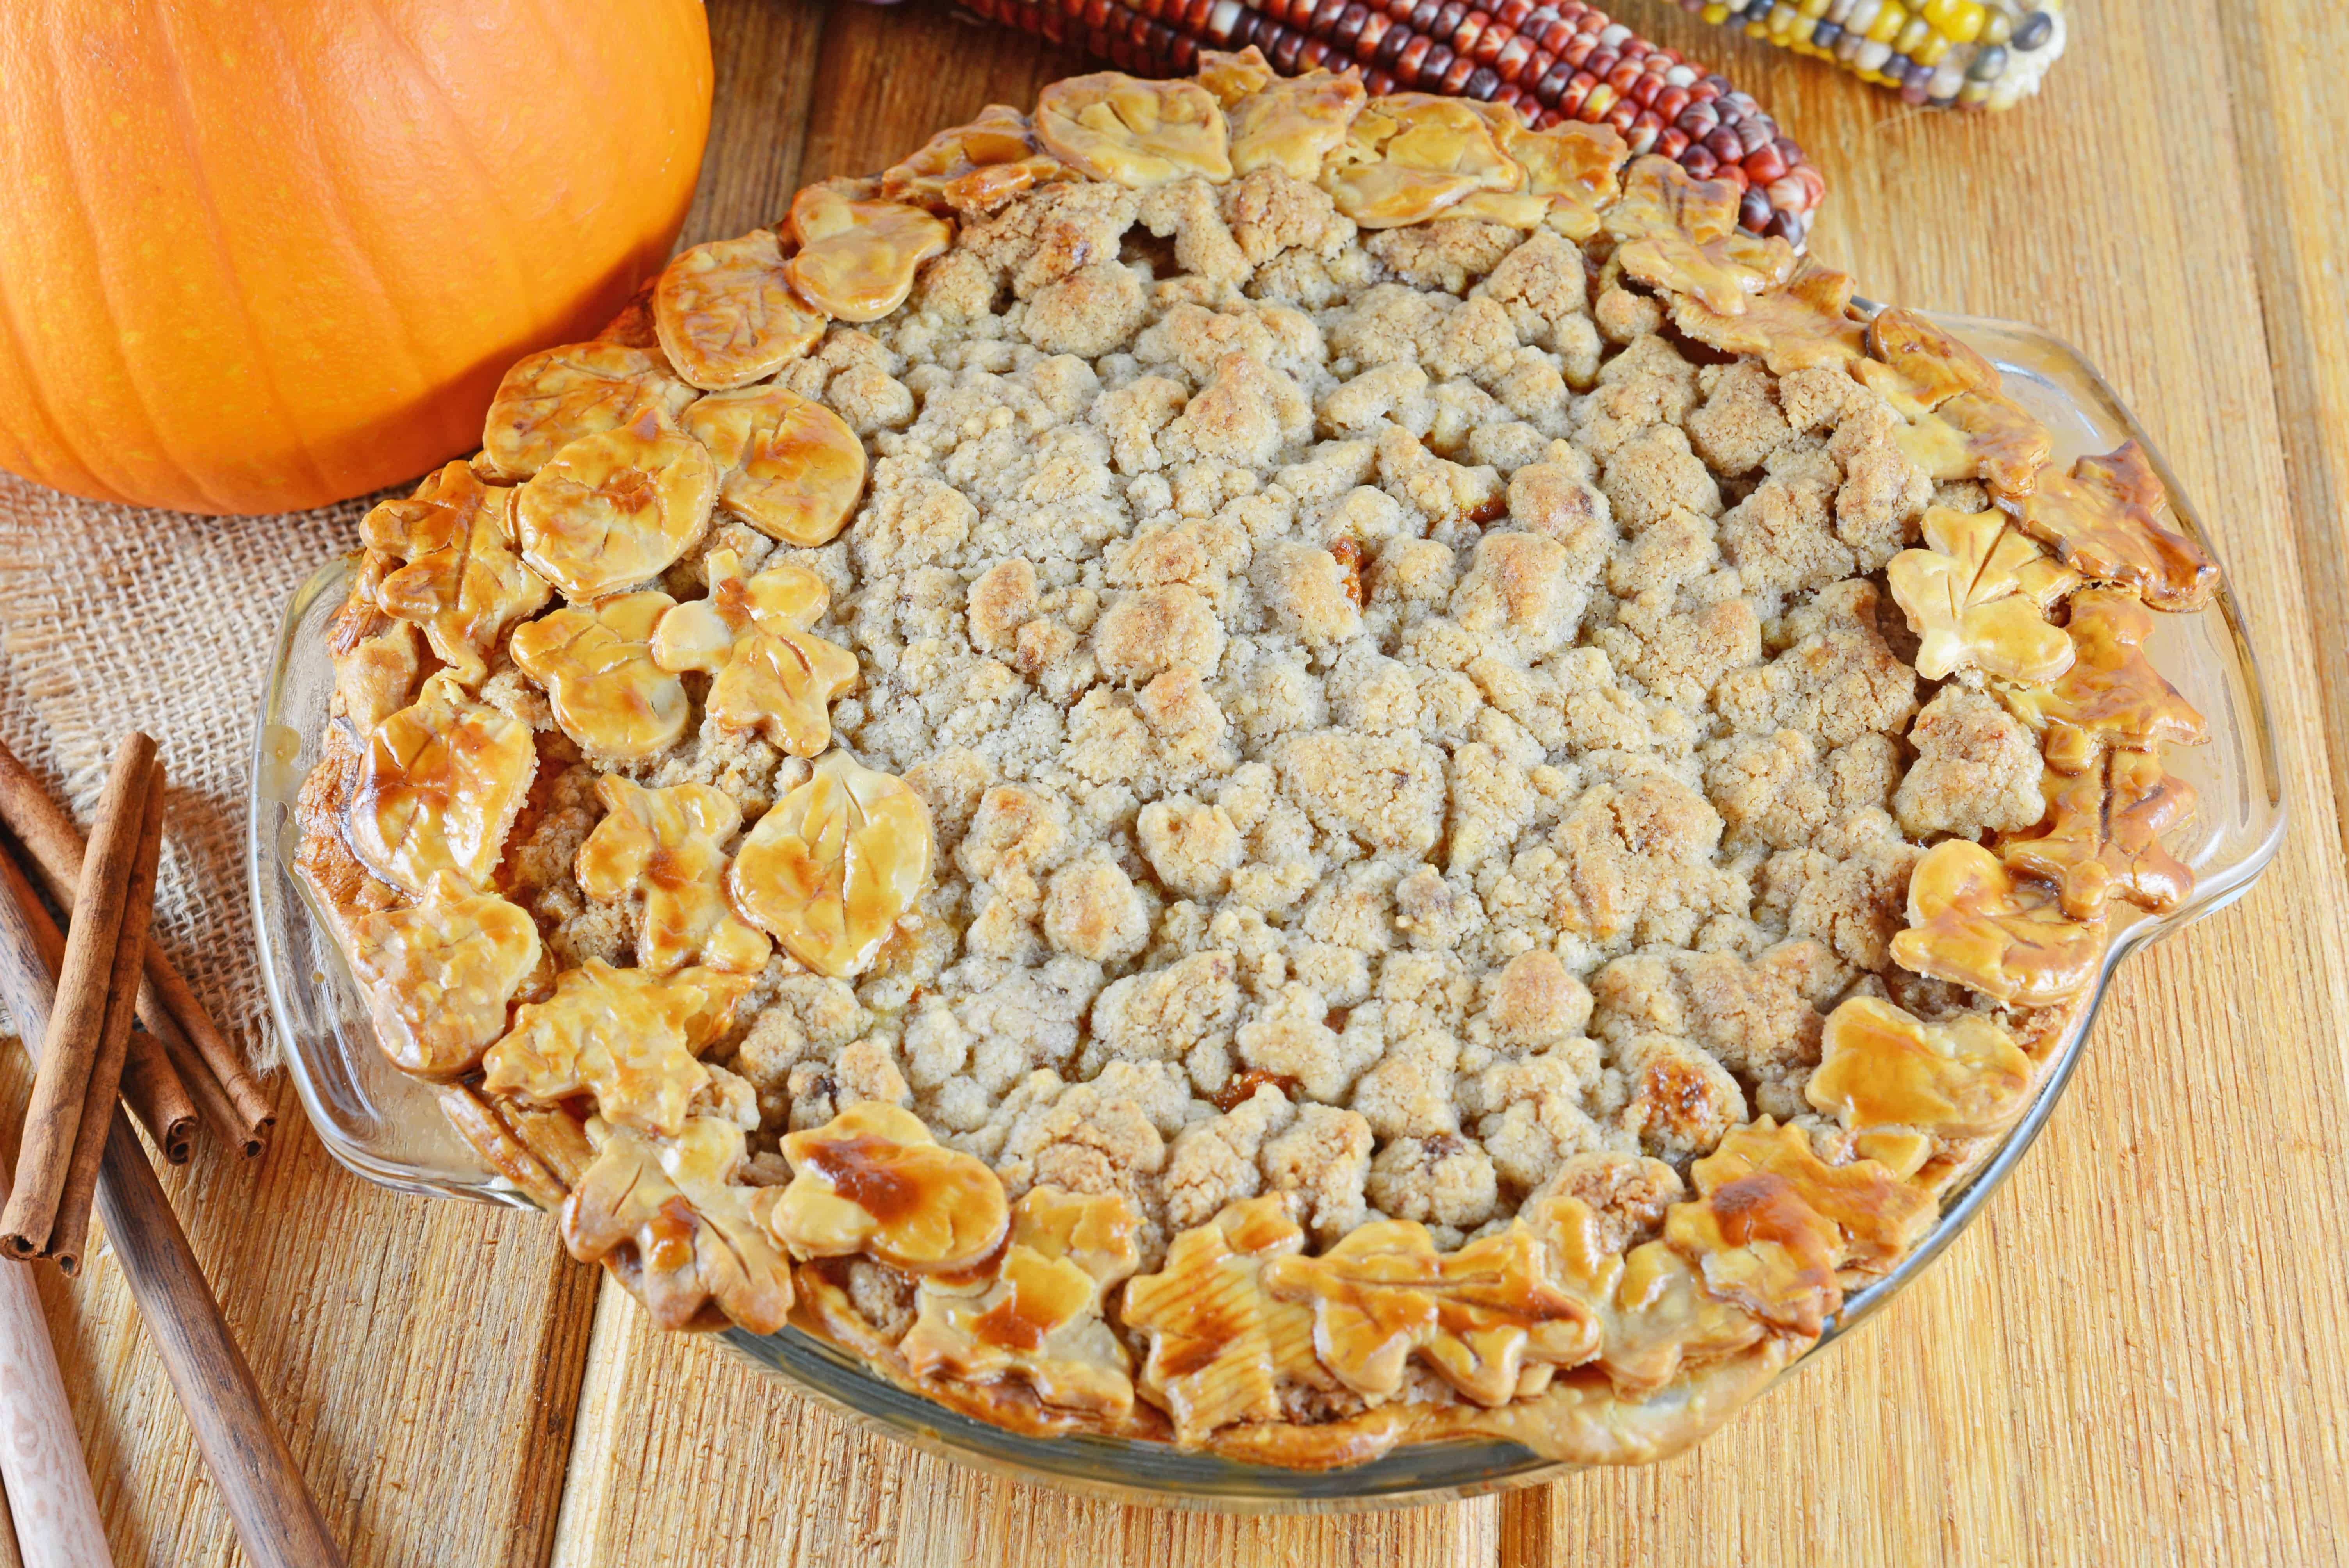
x,y
388,1129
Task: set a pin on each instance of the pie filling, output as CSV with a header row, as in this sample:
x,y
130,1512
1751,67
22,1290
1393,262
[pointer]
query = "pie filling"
x,y
1257,769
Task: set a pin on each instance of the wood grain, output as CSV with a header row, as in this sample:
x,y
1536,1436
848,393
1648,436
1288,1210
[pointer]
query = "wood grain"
x,y
2288,124
764,80
2133,1357
891,76
9,1556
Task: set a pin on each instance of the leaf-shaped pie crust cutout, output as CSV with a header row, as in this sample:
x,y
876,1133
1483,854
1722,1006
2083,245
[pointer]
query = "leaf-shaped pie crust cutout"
x,y
2102,520
376,672
700,1236
1221,1345
1409,156
1879,1067
1808,323
1974,923
2103,835
1679,234
727,315
1233,75
552,398
793,469
1919,365
2112,694
1876,1216
1961,425
437,786
872,1180
1039,1319
1109,126
856,259
972,168
1980,435
596,665
614,510
1572,171
773,677
1760,1247
1977,597
438,975
1291,124
629,1038
1654,1313
668,845
833,865
461,579
1479,1316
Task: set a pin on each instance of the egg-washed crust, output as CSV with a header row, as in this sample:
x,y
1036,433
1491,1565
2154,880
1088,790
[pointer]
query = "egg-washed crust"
x,y
1455,795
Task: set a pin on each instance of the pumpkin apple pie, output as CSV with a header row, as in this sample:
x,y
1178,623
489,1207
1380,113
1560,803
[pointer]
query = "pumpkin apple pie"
x,y
1255,768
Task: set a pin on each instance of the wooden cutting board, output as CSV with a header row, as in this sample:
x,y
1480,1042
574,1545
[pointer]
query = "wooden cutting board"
x,y
2134,1356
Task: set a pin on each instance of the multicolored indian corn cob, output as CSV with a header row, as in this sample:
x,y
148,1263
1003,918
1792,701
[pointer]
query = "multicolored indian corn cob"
x,y
1963,54
1553,62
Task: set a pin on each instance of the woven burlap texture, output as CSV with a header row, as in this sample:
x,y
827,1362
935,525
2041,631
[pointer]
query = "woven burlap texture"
x,y
114,618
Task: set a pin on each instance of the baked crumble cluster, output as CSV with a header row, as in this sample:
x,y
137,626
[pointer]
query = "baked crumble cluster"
x,y
1239,766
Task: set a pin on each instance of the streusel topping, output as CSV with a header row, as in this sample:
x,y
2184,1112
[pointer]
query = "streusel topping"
x,y
1395,715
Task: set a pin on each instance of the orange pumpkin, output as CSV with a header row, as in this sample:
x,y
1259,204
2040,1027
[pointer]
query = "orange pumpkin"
x,y
264,254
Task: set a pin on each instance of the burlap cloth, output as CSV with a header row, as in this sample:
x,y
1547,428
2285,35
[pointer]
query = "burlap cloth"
x,y
114,618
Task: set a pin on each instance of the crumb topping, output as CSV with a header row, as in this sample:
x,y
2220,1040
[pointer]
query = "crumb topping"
x,y
1342,684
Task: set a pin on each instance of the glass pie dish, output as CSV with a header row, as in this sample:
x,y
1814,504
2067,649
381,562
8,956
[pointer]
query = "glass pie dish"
x,y
388,1128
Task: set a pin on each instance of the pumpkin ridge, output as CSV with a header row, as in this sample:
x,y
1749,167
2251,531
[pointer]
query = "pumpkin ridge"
x,y
460,144
183,116
86,233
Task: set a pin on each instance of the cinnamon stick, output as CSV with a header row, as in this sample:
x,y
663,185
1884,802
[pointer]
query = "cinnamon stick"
x,y
150,1087
220,1112
172,1001
70,1046
55,846
72,1227
259,1484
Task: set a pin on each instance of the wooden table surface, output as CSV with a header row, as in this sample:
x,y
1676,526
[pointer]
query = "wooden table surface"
x,y
2134,1356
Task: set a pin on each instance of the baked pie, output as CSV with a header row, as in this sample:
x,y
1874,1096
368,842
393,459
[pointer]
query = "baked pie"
x,y
1257,769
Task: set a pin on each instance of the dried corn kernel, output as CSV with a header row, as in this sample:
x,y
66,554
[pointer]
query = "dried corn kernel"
x,y
1963,54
